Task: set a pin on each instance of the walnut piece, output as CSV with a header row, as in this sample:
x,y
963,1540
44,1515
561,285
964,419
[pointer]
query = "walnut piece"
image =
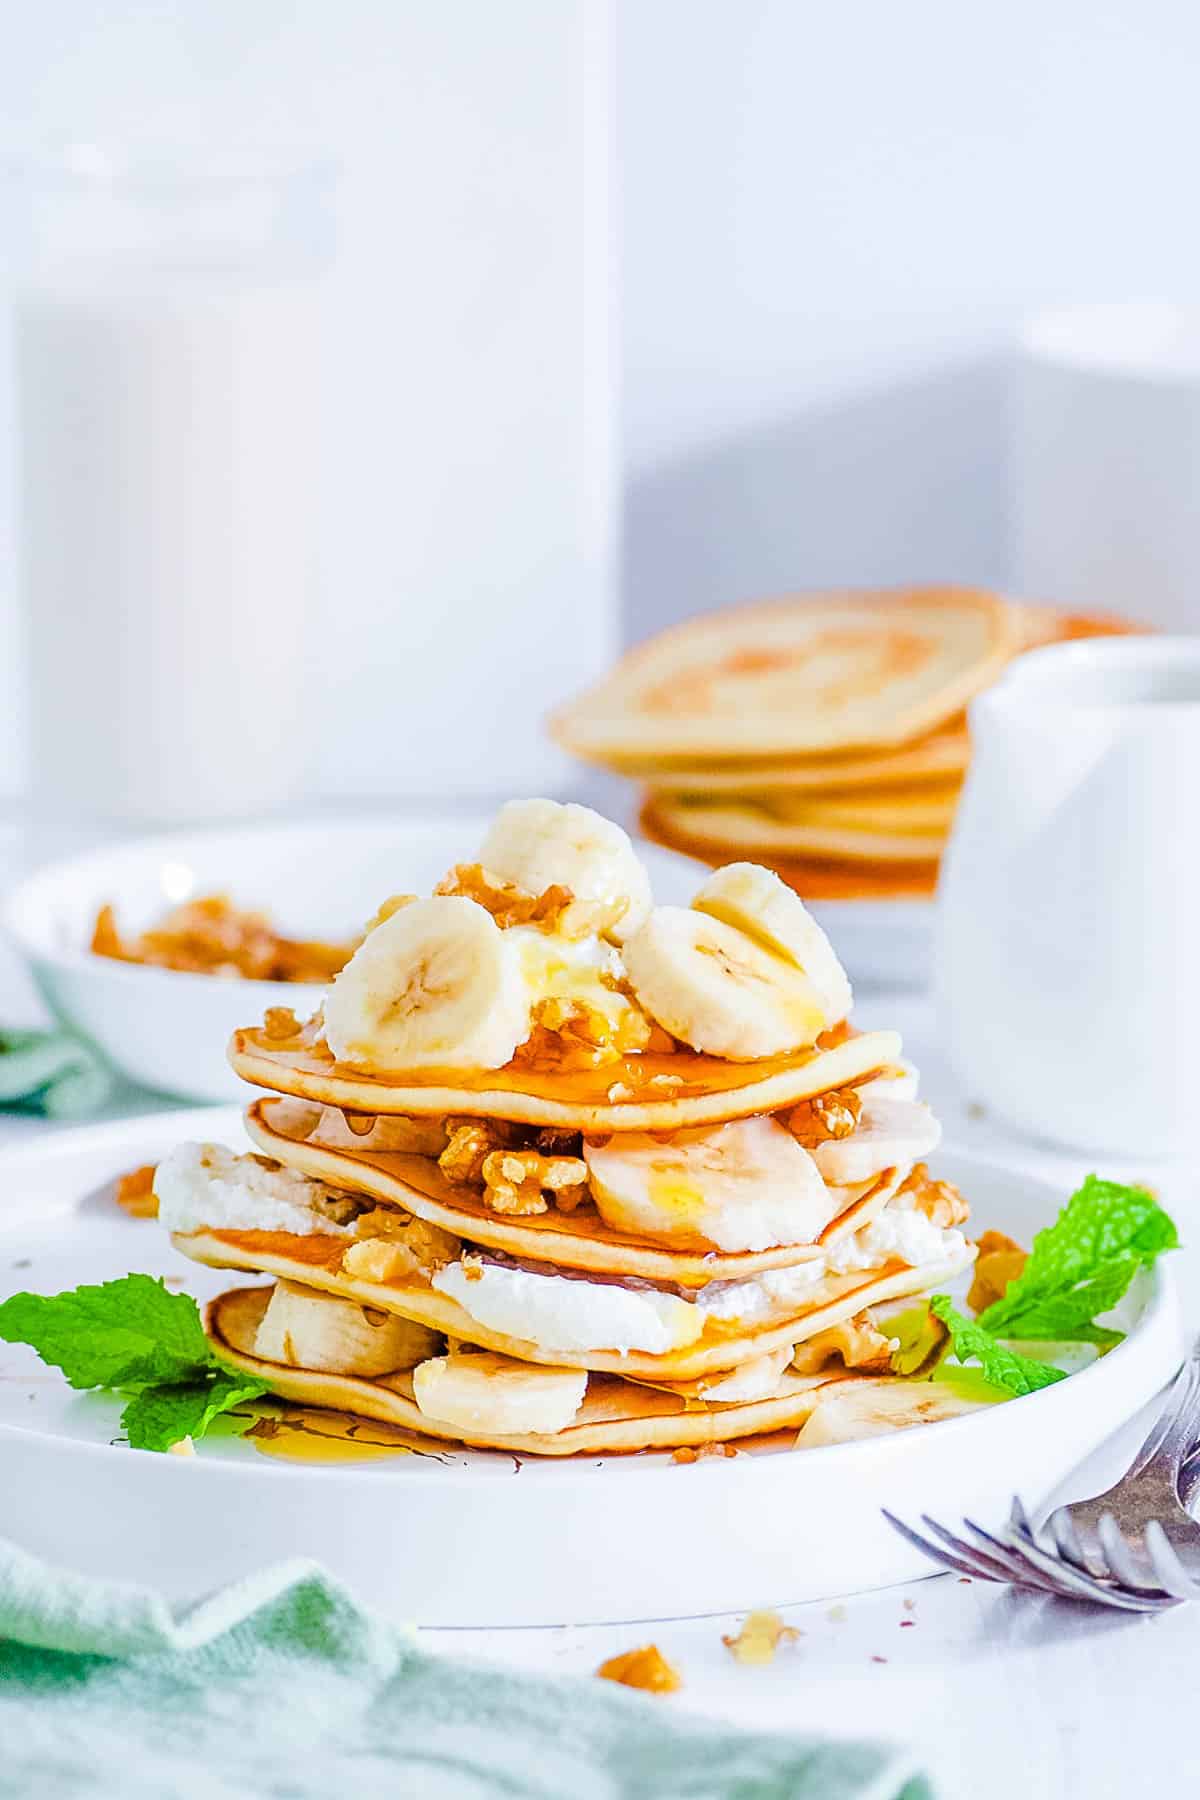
x,y
280,1022
209,935
469,1143
825,1116
760,1636
392,1245
517,1181
940,1201
135,1193
647,1669
859,1343
1000,1260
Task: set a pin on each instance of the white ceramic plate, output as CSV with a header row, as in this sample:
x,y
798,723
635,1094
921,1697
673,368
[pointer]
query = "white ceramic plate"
x,y
465,1538
168,1030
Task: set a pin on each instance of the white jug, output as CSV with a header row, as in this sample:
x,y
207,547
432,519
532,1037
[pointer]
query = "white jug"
x,y
1068,965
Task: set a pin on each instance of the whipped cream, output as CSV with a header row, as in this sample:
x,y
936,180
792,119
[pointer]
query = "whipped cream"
x,y
208,1187
556,1312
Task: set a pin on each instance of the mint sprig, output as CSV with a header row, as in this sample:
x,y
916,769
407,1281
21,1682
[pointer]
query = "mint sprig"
x,y
133,1336
1003,1367
1082,1265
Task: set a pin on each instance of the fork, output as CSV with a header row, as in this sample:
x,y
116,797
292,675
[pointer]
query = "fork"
x,y
1134,1546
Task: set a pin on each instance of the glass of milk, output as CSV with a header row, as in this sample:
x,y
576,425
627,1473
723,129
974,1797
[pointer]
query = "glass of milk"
x,y
168,345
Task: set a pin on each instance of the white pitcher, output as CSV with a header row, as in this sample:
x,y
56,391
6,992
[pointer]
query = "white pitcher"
x,y
1068,966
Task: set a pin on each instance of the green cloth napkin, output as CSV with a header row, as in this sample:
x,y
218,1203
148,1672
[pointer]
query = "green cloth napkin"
x,y
282,1685
51,1072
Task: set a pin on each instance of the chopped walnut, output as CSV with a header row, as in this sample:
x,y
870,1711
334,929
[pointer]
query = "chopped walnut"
x,y
646,1668
135,1193
940,1201
702,1452
859,1343
825,1116
517,1181
1000,1260
469,1143
392,1245
760,1636
208,935
567,1033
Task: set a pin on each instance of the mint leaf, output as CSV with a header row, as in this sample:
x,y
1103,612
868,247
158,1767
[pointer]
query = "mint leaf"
x,y
1002,1367
130,1334
1082,1265
162,1416
133,1335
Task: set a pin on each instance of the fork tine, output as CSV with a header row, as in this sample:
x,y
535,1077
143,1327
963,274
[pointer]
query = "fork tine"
x,y
1019,1567
1061,1527
933,1551
1121,1559
999,1566
1164,1560
1084,1587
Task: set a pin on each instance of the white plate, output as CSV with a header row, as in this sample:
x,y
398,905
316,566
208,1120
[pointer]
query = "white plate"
x,y
168,1030
482,1539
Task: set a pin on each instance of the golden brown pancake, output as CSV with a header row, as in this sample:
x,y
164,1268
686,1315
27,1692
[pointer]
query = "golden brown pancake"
x,y
814,674
616,1415
940,757
316,1142
732,830
315,1262
669,1092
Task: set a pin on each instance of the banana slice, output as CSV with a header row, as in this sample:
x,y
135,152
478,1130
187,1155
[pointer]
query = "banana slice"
x,y
436,986
717,990
481,1391
890,1134
542,843
899,1081
744,1186
864,1409
337,1337
754,900
757,1379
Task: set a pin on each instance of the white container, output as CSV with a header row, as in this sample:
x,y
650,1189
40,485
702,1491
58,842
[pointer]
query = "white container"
x,y
1068,958
1106,461
168,350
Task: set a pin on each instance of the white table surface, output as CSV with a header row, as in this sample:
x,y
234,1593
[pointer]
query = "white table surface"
x,y
1003,1695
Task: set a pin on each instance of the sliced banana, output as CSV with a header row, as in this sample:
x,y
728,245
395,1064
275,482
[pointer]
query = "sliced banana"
x,y
757,1379
754,900
747,1185
717,990
542,843
890,1134
864,1409
481,1391
899,1081
337,1337
438,985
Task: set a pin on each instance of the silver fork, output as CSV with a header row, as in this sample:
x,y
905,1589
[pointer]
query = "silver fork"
x,y
1134,1547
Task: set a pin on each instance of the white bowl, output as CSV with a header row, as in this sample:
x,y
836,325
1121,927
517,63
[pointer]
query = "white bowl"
x,y
169,1030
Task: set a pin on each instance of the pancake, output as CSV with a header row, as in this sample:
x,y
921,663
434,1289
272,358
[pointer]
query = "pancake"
x,y
942,755
315,1262
812,879
928,808
741,830
615,1416
320,1146
818,673
651,1092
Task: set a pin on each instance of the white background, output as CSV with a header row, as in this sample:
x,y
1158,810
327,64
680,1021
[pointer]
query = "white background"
x,y
831,220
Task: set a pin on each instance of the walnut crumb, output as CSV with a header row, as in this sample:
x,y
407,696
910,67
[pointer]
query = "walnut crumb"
x,y
825,1117
647,1669
280,1022
135,1193
760,1636
184,1447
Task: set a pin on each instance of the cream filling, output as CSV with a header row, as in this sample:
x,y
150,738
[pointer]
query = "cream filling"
x,y
557,1313
208,1187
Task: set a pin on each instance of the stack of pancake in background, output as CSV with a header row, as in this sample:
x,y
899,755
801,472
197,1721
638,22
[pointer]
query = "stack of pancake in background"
x,y
824,735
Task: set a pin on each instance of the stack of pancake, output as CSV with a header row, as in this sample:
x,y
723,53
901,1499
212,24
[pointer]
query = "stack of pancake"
x,y
824,734
556,1169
